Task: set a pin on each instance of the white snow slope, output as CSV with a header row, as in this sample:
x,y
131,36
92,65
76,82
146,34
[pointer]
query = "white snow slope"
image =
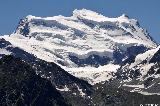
x,y
85,33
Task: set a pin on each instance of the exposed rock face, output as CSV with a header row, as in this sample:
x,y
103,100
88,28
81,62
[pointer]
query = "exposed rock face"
x,y
20,86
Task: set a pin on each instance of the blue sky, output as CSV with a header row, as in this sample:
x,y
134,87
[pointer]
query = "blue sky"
x,y
147,12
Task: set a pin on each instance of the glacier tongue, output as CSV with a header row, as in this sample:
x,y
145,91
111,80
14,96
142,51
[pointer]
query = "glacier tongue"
x,y
82,43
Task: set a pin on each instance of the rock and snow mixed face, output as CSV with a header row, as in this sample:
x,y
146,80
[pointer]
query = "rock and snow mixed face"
x,y
86,42
142,75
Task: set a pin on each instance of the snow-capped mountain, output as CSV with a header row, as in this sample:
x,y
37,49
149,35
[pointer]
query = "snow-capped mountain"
x,y
118,58
88,45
